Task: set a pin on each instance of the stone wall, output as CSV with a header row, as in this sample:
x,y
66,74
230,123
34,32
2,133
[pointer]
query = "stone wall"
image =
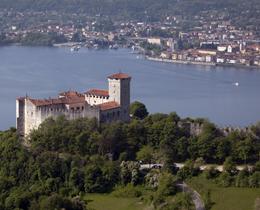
x,y
29,116
95,100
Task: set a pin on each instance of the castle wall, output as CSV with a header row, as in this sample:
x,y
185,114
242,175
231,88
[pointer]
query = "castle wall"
x,y
95,100
30,113
29,116
20,106
111,115
119,91
114,90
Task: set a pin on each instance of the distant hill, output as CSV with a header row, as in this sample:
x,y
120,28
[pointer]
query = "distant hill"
x,y
139,9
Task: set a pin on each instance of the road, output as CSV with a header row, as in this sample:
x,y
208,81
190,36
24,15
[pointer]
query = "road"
x,y
196,198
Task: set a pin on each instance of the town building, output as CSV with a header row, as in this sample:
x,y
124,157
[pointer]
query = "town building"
x,y
104,105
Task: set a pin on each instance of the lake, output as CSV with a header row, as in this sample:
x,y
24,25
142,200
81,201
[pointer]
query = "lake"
x,y
190,90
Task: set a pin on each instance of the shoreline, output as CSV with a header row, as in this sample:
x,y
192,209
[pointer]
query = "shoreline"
x,y
200,63
71,44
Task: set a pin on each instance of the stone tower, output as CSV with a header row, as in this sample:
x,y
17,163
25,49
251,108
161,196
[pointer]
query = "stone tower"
x,y
119,91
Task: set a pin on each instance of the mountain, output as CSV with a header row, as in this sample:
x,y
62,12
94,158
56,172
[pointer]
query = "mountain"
x,y
239,10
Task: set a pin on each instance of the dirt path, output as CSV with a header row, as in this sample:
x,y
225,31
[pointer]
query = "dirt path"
x,y
196,198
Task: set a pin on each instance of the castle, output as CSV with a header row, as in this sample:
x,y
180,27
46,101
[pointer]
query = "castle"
x,y
104,105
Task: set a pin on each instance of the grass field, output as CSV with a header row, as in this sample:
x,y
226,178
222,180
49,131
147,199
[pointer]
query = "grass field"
x,y
109,202
231,198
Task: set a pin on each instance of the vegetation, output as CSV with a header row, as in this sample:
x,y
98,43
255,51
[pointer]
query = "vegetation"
x,y
42,39
148,10
69,159
98,201
223,198
138,110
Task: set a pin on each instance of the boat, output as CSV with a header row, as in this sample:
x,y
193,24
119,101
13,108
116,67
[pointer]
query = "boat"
x,y
75,48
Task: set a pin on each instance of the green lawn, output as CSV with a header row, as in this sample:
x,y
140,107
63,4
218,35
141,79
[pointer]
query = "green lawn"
x,y
109,202
230,198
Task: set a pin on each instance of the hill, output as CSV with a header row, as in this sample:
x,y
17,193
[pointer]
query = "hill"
x,y
141,9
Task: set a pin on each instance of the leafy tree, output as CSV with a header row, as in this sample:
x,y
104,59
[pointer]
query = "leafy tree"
x,y
76,179
211,173
225,179
138,110
145,154
254,180
167,184
229,166
188,170
56,201
208,203
182,202
242,179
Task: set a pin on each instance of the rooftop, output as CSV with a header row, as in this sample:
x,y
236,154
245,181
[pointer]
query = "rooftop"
x,y
98,92
119,76
70,97
109,105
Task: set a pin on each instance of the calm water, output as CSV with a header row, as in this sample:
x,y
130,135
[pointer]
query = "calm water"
x,y
195,91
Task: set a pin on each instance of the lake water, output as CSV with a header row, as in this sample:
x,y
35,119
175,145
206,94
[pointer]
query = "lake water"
x,y
190,90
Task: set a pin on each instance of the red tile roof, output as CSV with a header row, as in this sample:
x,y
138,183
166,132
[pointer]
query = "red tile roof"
x,y
98,92
119,76
67,99
71,93
109,105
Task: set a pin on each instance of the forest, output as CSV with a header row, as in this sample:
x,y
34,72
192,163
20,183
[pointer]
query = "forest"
x,y
141,9
67,159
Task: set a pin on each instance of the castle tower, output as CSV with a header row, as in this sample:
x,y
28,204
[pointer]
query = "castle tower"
x,y
119,91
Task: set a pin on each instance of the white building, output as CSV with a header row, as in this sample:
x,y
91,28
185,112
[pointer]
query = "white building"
x,y
104,105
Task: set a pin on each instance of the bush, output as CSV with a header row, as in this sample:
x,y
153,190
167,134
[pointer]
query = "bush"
x,y
225,179
254,180
211,173
242,179
167,184
188,171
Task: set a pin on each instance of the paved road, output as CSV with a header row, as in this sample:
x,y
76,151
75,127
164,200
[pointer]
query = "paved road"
x,y
196,198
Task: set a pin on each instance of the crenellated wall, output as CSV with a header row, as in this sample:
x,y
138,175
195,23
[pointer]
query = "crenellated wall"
x,y
30,116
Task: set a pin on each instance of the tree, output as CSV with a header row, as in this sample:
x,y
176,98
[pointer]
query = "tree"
x,y
242,179
225,179
138,110
145,154
56,201
76,179
254,180
211,172
94,179
183,201
229,166
167,184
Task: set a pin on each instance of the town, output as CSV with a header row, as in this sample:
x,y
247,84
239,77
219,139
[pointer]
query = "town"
x,y
211,38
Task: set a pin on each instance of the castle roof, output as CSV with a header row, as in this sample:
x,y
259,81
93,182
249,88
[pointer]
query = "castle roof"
x,y
98,92
119,76
109,105
71,93
67,98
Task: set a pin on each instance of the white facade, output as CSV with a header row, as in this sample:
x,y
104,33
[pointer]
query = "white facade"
x,y
104,105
